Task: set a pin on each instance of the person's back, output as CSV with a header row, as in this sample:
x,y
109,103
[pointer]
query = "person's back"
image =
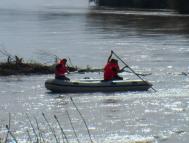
x,y
115,67
108,71
61,69
111,70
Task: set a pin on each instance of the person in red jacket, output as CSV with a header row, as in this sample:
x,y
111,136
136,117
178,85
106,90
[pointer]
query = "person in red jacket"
x,y
61,69
111,70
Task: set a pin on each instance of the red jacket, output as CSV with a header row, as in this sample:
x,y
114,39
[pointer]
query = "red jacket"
x,y
115,69
110,71
61,69
107,71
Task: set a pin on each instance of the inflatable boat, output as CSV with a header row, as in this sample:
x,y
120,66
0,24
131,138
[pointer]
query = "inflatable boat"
x,y
57,85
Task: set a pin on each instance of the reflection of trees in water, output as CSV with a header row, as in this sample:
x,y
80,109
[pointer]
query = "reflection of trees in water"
x,y
181,5
139,23
135,3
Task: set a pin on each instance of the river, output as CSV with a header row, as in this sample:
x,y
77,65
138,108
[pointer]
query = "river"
x,y
155,42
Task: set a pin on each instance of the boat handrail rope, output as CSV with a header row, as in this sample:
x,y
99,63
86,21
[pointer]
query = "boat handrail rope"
x,y
130,68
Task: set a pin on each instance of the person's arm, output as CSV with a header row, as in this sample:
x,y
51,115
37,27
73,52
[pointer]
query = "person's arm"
x,y
122,69
67,69
109,57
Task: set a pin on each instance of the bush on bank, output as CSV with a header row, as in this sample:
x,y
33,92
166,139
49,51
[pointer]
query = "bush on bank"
x,y
19,67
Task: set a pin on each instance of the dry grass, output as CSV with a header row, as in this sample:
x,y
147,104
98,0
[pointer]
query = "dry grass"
x,y
26,68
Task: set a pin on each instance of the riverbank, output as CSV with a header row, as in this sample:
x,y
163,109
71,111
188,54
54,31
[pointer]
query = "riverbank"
x,y
182,6
28,68
24,68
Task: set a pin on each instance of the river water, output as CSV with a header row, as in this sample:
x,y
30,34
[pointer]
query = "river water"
x,y
155,42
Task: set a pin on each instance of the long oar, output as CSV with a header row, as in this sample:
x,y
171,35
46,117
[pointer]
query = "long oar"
x,y
131,69
70,62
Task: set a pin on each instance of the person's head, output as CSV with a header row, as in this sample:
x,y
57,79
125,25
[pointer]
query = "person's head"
x,y
114,61
63,61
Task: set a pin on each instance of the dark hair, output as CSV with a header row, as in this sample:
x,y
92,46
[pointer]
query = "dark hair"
x,y
65,60
113,61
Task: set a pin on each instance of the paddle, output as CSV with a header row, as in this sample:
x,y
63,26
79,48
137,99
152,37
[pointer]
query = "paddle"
x,y
126,65
70,62
140,74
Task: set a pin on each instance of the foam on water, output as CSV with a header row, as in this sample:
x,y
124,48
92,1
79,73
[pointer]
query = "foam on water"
x,y
128,139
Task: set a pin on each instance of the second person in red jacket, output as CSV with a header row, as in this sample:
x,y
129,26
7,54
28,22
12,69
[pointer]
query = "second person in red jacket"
x,y
61,69
111,70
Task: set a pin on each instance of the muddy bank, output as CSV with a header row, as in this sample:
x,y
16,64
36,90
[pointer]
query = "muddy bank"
x,y
13,68
24,68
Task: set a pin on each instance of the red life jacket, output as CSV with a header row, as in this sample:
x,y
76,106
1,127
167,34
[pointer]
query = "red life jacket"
x,y
115,69
111,71
61,69
108,71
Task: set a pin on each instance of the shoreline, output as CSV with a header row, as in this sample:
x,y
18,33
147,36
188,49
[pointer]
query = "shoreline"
x,y
13,68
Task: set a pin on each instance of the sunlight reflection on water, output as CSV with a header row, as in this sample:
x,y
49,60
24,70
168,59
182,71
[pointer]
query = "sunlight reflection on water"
x,y
150,42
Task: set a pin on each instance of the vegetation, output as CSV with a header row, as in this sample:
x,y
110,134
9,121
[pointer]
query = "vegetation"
x,y
24,68
19,67
15,65
135,3
37,133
